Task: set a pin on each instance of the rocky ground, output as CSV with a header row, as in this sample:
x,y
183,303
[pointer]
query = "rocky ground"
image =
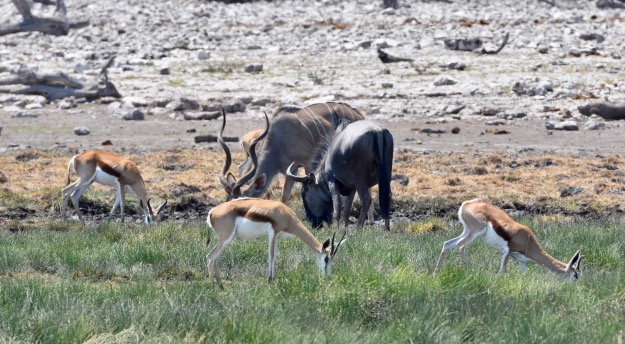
x,y
177,61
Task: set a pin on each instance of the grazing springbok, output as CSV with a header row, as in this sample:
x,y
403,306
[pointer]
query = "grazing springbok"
x,y
246,144
250,218
510,238
107,168
294,136
359,156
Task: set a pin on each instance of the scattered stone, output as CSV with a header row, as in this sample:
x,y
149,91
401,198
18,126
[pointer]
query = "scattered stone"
x,y
457,65
464,44
605,110
3,178
402,179
203,55
430,131
592,36
496,122
455,130
80,131
136,115
201,116
213,138
570,191
254,68
27,156
185,104
67,103
33,106
594,125
387,85
192,130
237,106
444,81
184,189
261,102
136,101
490,111
25,115
388,58
176,167
165,71
542,49
511,116
564,125
107,143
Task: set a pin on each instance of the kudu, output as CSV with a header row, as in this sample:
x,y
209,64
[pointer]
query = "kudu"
x,y
293,137
359,156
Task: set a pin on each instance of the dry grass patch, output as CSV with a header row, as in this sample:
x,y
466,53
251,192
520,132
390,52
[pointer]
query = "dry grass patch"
x,y
533,179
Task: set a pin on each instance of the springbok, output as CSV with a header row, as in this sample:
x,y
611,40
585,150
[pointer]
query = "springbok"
x,y
250,218
107,168
294,136
510,238
359,156
246,144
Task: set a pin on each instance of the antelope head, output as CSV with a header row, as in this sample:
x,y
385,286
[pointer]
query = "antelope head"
x,y
328,250
227,179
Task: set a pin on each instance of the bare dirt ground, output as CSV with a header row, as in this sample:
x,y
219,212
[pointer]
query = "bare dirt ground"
x,y
170,53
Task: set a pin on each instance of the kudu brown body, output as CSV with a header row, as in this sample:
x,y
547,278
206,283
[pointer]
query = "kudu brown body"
x,y
293,137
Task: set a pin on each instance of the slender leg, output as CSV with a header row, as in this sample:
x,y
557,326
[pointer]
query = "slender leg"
x,y
347,207
67,191
273,251
448,245
288,187
122,198
370,218
504,260
115,205
365,200
76,196
523,266
213,255
336,206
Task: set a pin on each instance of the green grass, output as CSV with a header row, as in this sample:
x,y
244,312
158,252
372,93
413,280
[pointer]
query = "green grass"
x,y
121,283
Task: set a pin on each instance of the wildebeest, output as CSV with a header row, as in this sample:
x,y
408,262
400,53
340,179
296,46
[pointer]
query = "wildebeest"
x,y
294,136
359,156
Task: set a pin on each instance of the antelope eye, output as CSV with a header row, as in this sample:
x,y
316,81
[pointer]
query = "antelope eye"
x,y
326,259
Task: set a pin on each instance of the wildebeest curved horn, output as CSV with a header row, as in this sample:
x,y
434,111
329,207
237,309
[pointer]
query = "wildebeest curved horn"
x,y
228,161
254,158
300,179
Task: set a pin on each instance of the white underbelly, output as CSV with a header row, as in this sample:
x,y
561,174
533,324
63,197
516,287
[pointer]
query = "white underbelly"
x,y
104,178
493,240
247,229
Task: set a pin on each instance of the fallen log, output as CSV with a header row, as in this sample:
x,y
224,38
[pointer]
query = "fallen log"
x,y
54,86
605,110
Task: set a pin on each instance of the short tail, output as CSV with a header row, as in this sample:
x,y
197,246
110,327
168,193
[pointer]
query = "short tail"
x,y
384,150
209,225
69,169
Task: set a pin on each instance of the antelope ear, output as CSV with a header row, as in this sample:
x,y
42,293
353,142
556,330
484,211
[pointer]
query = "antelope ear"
x,y
326,244
260,181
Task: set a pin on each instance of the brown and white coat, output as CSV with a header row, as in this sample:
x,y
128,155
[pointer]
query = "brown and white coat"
x,y
107,168
510,238
250,218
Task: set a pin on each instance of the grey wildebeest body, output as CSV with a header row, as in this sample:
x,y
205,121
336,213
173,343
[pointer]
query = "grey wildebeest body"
x,y
293,137
359,156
